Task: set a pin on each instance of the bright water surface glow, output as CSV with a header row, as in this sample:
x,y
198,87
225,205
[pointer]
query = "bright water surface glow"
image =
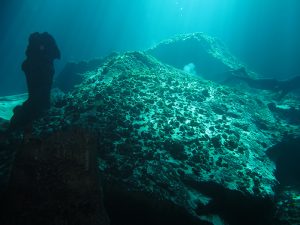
x,y
264,34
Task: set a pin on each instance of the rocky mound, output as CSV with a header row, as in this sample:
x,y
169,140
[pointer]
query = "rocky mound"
x,y
211,58
170,143
197,53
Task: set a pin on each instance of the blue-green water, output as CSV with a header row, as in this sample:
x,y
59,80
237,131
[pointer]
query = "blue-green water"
x,y
159,135
263,34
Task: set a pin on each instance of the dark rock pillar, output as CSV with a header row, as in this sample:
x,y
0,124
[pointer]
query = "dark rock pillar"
x,y
39,70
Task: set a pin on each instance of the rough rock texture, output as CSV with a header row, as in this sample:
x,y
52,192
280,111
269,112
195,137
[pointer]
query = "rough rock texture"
x,y
55,180
169,139
210,56
173,136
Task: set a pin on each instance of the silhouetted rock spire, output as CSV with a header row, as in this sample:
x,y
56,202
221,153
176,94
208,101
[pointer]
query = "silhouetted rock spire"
x,y
39,70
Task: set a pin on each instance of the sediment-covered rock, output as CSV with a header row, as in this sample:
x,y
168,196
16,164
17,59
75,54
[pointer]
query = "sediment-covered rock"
x,y
170,139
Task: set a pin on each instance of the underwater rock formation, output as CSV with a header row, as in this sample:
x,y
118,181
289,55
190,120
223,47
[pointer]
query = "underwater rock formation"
x,y
8,103
172,142
39,70
195,53
211,58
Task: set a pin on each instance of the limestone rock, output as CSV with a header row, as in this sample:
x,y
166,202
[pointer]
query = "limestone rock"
x,y
175,137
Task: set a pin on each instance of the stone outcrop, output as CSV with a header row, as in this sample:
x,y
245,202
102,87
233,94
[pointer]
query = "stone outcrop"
x,y
39,70
197,53
168,141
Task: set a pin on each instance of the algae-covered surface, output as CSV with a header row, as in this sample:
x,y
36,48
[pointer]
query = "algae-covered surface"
x,y
172,135
176,138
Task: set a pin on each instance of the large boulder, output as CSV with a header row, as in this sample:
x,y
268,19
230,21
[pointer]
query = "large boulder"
x,y
170,143
199,53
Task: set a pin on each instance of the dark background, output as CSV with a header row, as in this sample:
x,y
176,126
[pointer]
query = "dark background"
x,y
263,34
